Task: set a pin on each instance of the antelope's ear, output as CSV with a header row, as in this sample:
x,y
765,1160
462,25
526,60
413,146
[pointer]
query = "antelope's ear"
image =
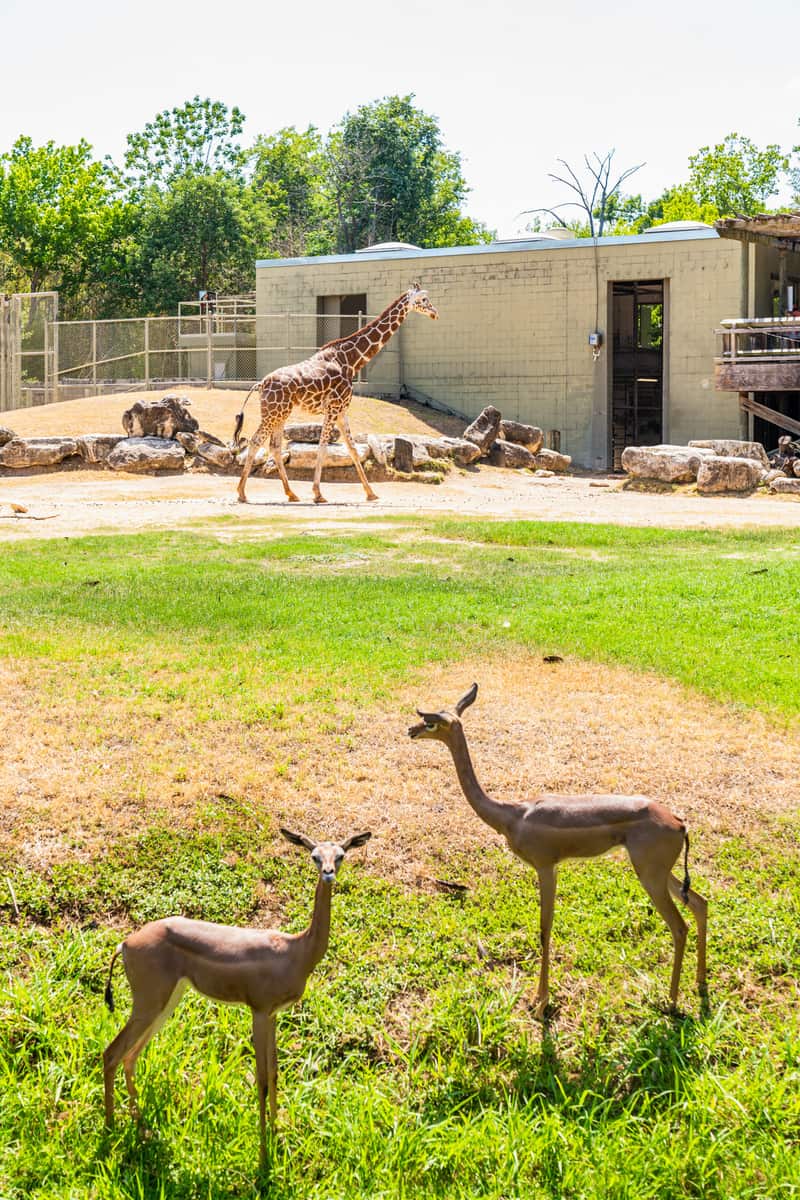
x,y
298,839
358,839
467,699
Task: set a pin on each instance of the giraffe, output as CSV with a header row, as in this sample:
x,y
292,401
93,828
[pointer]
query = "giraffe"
x,y
323,384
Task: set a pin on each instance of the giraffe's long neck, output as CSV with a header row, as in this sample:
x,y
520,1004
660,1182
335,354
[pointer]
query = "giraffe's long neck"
x,y
366,342
317,935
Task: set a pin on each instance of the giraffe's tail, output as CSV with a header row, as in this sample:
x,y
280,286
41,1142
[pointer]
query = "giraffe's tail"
x,y
237,429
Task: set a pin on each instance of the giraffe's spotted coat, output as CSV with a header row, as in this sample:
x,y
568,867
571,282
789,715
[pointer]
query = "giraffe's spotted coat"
x,y
323,384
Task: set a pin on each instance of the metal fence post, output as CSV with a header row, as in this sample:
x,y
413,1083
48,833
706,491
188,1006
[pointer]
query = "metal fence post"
x,y
147,354
94,357
209,354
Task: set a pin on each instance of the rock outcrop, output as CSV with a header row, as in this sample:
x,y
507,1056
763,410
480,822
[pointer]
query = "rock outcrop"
x,y
19,453
159,418
529,436
484,429
719,473
144,454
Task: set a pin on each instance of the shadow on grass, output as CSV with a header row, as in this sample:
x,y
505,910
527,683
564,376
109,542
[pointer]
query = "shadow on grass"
x,y
655,1066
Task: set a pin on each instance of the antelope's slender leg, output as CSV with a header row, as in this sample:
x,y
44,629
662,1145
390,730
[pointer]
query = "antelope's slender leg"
x,y
698,906
655,882
263,1043
547,900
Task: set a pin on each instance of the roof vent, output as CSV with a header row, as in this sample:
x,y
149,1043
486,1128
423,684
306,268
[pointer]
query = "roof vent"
x,y
677,227
387,248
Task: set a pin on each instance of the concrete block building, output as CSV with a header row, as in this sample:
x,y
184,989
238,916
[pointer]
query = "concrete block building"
x,y
612,343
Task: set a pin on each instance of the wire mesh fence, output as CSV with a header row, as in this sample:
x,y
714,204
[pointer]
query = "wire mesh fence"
x,y
27,350
213,343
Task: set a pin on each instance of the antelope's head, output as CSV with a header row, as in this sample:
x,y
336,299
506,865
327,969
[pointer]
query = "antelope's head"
x,y
439,724
327,856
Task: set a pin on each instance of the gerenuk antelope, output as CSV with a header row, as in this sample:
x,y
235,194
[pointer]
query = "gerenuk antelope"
x,y
550,828
263,968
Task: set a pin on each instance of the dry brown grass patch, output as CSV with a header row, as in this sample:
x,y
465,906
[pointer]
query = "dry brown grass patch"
x,y
72,780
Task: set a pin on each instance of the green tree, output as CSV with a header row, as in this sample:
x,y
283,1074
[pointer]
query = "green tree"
x,y
198,138
204,233
735,176
288,174
60,217
390,178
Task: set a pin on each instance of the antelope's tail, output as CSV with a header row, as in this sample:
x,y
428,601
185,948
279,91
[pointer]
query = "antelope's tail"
x,y
687,883
237,429
109,995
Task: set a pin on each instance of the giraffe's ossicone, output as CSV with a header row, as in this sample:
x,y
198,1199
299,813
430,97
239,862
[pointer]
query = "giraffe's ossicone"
x,y
323,384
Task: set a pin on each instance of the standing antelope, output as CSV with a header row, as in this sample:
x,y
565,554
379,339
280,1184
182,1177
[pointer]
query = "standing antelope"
x,y
550,828
263,968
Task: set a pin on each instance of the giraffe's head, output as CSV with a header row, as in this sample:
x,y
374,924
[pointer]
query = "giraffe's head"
x,y
418,302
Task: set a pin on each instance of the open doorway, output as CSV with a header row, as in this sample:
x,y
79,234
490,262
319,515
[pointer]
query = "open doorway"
x,y
637,366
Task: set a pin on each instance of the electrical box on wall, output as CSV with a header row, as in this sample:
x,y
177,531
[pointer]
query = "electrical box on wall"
x,y
596,339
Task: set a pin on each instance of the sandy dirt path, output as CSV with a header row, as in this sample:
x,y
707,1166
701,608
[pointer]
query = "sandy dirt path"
x,y
70,503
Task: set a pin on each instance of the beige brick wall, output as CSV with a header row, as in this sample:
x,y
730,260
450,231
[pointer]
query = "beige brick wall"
x,y
514,325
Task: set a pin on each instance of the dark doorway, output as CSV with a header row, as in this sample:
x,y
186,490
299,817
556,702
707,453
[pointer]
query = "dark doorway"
x,y
637,391
786,403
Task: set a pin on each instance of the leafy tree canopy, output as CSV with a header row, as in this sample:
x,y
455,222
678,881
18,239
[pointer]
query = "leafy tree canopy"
x,y
199,138
391,179
289,175
59,210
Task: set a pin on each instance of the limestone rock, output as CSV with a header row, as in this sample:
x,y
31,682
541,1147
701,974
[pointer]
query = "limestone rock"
x,y
377,449
310,431
718,473
403,455
511,454
263,462
552,460
529,436
37,452
667,464
461,450
159,418
219,456
96,447
6,435
144,454
484,429
730,448
783,484
304,455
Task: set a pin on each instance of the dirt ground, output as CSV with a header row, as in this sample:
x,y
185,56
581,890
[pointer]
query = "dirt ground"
x,y
71,503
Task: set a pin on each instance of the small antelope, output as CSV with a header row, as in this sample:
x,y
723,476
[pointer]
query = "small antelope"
x,y
549,828
263,968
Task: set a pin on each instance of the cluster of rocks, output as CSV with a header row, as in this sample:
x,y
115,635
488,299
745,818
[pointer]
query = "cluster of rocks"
x,y
512,444
162,435
716,465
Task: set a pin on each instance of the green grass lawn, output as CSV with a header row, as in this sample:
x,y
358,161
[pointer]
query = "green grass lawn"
x,y
413,1067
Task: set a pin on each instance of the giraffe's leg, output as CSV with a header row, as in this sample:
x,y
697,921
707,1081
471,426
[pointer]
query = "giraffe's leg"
x,y
547,900
324,438
354,455
258,439
277,454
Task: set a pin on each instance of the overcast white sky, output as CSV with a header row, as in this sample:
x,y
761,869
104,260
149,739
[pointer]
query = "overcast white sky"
x,y
514,86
